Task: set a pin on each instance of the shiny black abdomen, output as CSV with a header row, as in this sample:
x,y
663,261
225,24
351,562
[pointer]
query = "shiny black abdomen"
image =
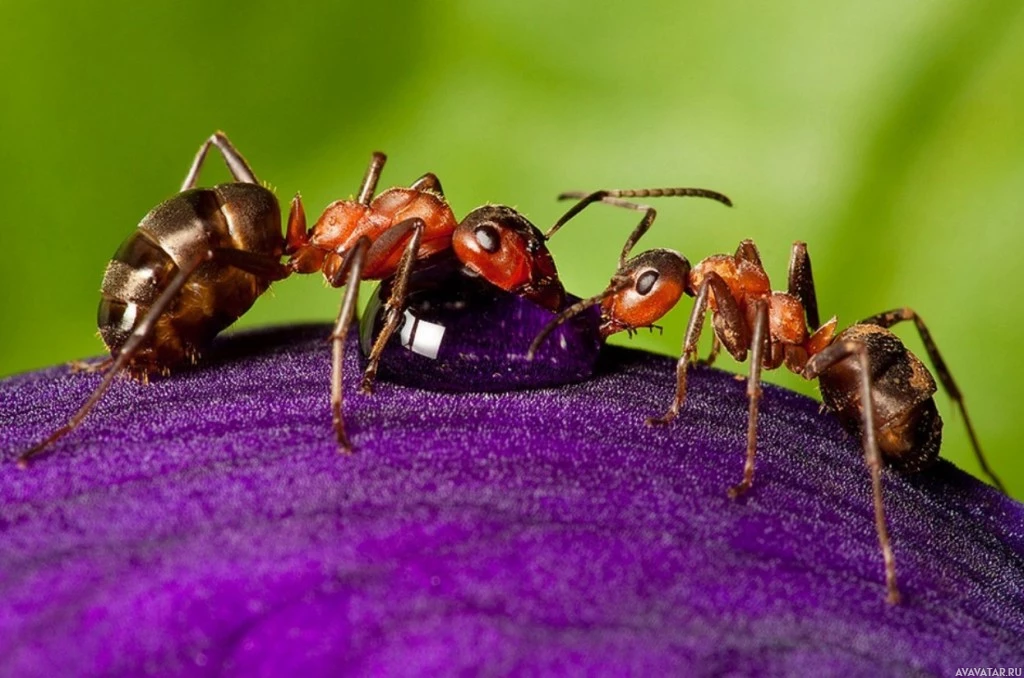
x,y
235,216
908,425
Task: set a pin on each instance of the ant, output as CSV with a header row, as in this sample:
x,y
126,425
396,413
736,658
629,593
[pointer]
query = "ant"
x,y
200,259
865,363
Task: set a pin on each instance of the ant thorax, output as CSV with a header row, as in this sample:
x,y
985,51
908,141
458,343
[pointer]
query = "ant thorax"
x,y
460,333
746,280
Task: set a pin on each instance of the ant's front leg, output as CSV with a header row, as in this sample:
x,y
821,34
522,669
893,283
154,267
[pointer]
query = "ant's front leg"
x,y
735,326
352,267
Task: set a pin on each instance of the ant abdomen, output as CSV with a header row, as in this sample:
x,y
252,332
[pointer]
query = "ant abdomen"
x,y
237,217
907,423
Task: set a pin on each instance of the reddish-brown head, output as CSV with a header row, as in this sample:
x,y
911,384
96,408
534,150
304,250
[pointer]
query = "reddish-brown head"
x,y
500,245
644,290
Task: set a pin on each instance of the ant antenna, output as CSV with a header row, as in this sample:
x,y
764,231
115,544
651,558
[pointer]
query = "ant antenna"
x,y
618,284
609,196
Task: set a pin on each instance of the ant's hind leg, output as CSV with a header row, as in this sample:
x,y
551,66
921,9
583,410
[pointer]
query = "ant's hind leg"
x,y
239,168
819,363
895,316
693,329
139,336
801,283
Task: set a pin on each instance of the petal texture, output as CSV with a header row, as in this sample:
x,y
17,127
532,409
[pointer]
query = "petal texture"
x,y
205,526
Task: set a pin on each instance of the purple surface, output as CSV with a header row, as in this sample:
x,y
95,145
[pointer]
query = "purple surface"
x,y
204,525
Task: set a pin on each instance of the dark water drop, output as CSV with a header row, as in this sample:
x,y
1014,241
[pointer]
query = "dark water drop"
x,y
460,333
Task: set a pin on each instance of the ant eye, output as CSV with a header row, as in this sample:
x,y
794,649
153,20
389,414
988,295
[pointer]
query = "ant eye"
x,y
487,237
645,283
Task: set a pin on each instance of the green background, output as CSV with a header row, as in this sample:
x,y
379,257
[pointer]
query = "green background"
x,y
888,135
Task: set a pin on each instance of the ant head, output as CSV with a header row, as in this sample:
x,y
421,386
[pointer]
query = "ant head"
x,y
500,245
643,290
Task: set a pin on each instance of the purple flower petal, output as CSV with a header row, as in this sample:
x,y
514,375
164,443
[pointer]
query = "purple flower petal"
x,y
205,525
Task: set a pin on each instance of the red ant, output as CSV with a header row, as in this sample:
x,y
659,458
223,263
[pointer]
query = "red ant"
x,y
199,260
866,363
377,238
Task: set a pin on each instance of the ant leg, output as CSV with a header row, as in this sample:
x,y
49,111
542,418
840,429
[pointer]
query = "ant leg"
x,y
690,337
716,348
747,251
352,264
382,248
125,354
820,362
608,196
801,283
372,176
757,345
726,304
428,182
890,318
239,168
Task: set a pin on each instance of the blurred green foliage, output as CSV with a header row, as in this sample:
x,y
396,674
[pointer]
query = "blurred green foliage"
x,y
886,135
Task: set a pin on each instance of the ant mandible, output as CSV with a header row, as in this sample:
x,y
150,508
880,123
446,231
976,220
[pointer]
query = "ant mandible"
x,y
866,363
